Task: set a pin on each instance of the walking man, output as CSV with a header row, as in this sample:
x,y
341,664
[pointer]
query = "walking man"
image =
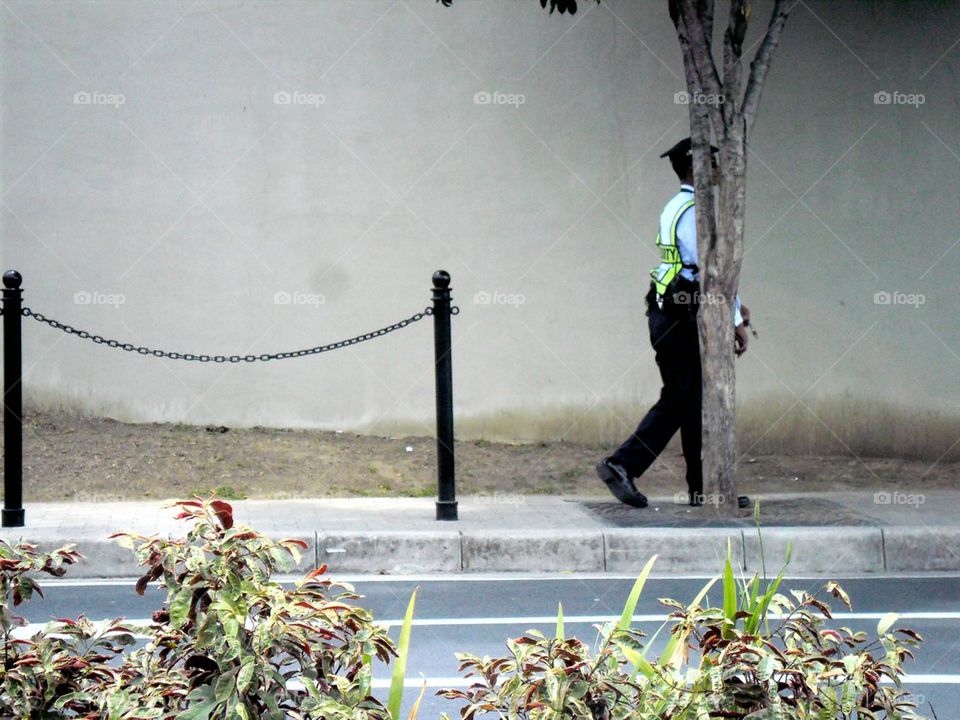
x,y
672,305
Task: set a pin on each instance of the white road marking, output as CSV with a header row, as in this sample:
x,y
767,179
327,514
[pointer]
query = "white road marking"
x,y
531,620
501,577
460,682
656,617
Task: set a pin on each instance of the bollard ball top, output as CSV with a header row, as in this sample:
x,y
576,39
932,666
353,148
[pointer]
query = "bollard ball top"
x,y
441,278
13,279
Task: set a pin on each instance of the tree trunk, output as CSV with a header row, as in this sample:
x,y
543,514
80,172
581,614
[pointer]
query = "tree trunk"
x,y
720,278
720,220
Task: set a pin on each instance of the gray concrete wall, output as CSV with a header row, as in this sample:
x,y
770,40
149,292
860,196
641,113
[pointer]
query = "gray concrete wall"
x,y
173,207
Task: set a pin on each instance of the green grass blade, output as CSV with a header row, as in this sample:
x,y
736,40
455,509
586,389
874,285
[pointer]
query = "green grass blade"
x,y
395,698
640,663
703,593
653,639
729,591
754,589
626,617
760,613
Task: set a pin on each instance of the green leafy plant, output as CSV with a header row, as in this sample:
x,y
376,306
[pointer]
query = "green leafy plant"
x,y
234,643
718,662
558,677
66,669
231,642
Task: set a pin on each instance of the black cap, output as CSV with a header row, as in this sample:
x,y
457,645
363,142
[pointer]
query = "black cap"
x,y
684,148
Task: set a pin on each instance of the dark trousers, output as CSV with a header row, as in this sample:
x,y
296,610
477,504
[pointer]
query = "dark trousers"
x,y
673,335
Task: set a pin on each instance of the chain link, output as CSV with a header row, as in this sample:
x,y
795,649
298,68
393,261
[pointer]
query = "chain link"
x,y
130,347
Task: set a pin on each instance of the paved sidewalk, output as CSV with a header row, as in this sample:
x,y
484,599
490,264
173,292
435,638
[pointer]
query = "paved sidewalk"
x,y
848,531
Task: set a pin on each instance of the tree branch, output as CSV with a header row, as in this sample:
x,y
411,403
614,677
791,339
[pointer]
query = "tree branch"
x,y
761,62
701,52
705,10
700,45
699,136
732,52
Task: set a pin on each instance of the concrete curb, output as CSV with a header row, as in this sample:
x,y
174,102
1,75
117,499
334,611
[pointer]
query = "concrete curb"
x,y
921,548
533,551
704,550
545,534
817,551
398,552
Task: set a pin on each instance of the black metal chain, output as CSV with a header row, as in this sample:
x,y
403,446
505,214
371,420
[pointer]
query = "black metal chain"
x,y
130,347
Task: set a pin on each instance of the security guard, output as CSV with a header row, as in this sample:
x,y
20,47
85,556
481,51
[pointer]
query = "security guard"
x,y
672,305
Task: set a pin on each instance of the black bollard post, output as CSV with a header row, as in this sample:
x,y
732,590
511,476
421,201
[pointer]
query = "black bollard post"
x,y
13,515
446,482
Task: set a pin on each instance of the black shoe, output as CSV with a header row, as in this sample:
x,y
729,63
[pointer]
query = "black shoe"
x,y
620,484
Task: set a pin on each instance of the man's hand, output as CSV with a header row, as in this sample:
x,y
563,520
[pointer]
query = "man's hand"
x,y
745,314
740,338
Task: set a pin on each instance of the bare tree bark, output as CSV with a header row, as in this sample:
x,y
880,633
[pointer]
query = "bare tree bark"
x,y
761,63
720,107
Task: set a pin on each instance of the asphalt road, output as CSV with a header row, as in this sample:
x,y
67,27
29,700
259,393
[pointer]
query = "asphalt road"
x,y
478,613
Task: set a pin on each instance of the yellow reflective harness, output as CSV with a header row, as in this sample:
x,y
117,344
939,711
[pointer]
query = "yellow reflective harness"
x,y
670,261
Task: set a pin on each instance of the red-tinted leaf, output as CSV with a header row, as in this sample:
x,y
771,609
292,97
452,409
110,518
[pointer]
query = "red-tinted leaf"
x,y
224,513
319,571
142,584
248,535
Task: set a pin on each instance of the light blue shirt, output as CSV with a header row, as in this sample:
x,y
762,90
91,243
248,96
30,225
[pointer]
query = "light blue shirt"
x,y
687,240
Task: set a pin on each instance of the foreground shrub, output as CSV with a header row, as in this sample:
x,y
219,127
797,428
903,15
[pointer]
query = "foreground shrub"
x,y
719,662
233,643
230,641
